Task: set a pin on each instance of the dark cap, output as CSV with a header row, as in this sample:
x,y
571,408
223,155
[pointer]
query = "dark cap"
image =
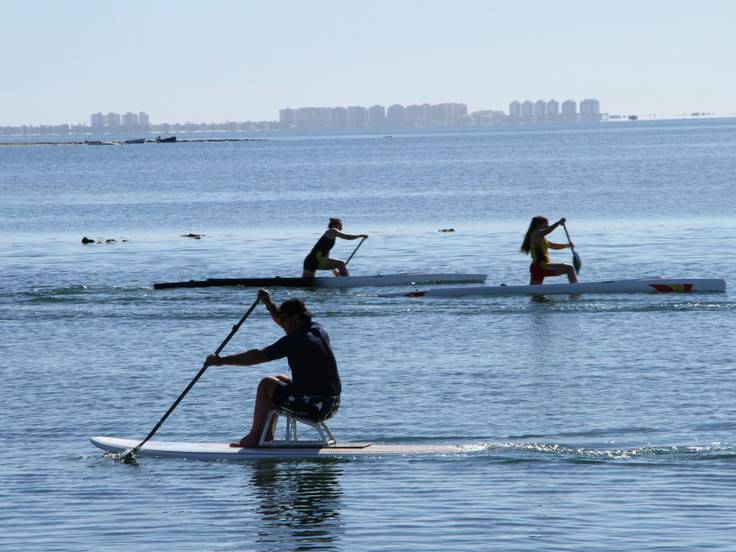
x,y
294,306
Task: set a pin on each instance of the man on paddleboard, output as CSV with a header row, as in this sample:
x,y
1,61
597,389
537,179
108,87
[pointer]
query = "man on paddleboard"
x,y
314,389
319,256
536,244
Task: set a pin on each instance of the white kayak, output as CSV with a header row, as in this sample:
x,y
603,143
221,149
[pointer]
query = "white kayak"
x,y
643,285
223,451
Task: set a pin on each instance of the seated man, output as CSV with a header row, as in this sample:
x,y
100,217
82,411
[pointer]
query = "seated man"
x,y
313,392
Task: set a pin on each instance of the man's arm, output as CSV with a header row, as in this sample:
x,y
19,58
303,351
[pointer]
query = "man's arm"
x,y
553,245
271,307
248,358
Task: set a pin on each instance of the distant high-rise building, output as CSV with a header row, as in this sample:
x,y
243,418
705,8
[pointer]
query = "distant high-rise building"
x,y
287,117
590,110
395,116
540,110
527,109
377,116
112,120
569,110
340,117
453,114
130,121
144,120
553,110
313,117
434,115
356,116
97,121
515,110
415,116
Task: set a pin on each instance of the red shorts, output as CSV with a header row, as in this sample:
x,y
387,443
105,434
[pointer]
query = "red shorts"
x,y
539,271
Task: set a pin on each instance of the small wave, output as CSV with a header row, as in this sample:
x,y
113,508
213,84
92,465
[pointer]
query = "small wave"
x,y
589,433
712,451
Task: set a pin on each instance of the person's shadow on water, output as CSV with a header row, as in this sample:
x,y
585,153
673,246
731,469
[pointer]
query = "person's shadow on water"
x,y
299,503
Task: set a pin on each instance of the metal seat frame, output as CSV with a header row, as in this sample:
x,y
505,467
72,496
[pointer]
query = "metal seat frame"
x,y
291,438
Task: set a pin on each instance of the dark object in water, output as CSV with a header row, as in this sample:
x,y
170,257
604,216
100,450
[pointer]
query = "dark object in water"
x,y
135,141
193,236
86,240
167,140
447,229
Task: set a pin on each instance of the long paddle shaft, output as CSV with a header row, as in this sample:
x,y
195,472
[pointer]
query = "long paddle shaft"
x,y
576,261
354,251
236,327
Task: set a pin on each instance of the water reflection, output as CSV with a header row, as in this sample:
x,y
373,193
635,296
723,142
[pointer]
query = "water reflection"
x,y
299,504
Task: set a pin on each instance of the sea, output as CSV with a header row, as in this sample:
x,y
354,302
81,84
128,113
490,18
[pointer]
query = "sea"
x,y
587,423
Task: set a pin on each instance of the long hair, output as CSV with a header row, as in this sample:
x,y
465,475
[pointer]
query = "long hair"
x,y
526,245
334,222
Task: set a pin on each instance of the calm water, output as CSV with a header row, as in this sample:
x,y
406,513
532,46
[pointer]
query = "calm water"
x,y
599,422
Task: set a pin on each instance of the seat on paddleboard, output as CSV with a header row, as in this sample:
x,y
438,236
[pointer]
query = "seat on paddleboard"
x,y
291,435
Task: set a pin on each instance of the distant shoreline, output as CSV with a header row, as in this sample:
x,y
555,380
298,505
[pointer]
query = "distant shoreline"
x,y
121,142
103,140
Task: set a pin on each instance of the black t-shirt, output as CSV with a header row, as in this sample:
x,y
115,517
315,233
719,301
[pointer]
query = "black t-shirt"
x,y
313,366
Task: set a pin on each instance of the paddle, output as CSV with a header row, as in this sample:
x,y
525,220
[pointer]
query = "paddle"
x,y
576,262
354,251
128,457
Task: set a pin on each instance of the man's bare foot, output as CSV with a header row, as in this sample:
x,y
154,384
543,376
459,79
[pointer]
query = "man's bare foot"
x,y
246,442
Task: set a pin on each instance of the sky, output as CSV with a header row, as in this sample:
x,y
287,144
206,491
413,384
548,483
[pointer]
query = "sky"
x,y
223,60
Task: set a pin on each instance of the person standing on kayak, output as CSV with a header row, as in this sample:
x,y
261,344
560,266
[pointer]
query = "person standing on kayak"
x,y
319,256
313,391
536,244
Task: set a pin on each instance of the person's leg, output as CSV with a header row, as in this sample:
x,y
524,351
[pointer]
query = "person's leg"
x,y
337,265
264,399
561,268
309,267
536,275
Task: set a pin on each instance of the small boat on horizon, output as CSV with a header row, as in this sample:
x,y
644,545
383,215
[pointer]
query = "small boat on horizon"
x,y
166,140
101,143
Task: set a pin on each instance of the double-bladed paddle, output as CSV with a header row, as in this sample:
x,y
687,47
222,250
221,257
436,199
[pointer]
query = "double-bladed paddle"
x,y
128,457
576,262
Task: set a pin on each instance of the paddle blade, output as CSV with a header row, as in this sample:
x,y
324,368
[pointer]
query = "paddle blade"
x,y
125,457
576,262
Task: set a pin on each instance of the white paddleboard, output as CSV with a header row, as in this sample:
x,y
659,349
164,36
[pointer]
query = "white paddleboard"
x,y
641,285
223,451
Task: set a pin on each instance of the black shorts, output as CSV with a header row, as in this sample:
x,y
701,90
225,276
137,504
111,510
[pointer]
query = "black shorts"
x,y
312,407
311,263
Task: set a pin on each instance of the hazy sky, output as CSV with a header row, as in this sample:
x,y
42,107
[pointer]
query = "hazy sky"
x,y
218,60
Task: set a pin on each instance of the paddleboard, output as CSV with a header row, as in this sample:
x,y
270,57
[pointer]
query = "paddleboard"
x,y
642,285
224,452
381,280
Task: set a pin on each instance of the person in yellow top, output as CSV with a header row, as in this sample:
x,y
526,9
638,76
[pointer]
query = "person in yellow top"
x,y
536,244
